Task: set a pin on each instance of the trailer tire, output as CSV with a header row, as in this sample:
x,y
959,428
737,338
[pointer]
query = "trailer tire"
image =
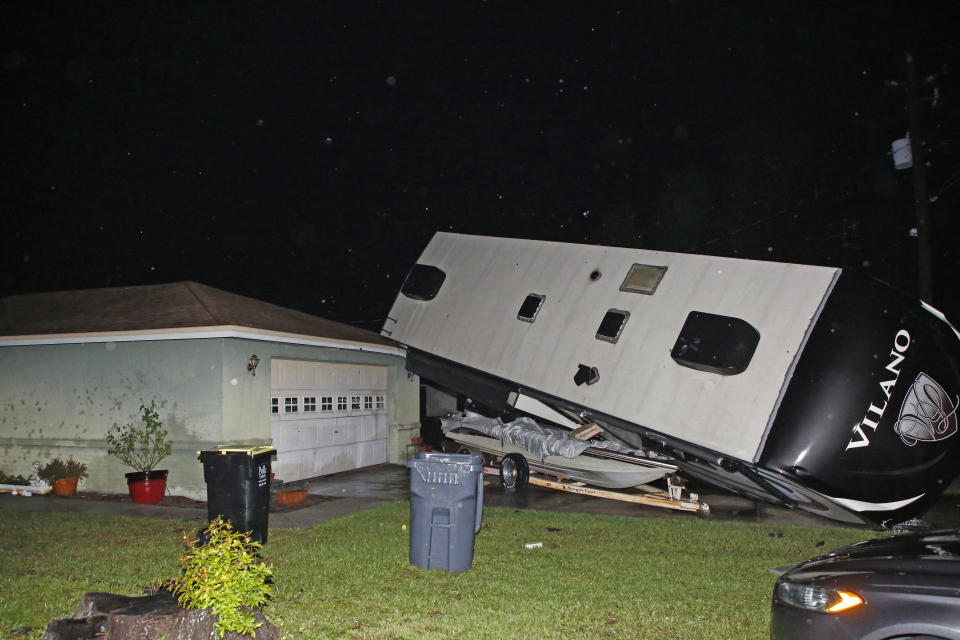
x,y
514,472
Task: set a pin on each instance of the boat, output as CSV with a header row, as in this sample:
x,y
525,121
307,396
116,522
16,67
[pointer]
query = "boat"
x,y
807,386
585,461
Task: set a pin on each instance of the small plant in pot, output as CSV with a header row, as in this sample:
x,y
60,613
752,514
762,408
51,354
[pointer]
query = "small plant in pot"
x,y
289,493
63,475
142,446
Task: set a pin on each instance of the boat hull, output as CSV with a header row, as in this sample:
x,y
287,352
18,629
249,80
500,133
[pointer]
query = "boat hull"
x,y
599,472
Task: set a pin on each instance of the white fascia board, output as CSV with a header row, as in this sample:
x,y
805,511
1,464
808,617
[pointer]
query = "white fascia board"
x,y
193,333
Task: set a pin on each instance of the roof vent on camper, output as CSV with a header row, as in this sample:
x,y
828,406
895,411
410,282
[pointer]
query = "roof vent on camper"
x,y
643,278
423,282
714,343
530,307
612,325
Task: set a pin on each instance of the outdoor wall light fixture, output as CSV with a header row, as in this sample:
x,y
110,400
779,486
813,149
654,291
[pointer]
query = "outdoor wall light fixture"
x,y
252,364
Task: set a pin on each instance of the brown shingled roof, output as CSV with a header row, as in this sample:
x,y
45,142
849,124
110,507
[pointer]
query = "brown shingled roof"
x,y
161,306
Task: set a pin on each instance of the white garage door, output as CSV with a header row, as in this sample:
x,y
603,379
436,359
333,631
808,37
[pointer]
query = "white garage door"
x,y
327,417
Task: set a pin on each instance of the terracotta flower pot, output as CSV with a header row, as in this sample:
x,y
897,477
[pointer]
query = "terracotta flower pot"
x,y
291,497
147,487
65,486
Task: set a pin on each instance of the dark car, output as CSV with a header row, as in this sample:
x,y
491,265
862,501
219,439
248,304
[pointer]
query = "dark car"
x,y
904,586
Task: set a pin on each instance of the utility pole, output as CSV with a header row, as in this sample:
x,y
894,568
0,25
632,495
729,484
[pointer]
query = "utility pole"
x,y
920,198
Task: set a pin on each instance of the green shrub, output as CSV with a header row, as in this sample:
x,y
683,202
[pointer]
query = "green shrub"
x,y
58,469
17,480
225,576
140,447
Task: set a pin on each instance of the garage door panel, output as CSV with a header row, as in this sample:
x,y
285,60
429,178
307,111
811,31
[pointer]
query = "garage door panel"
x,y
325,431
322,460
308,435
371,451
348,430
321,436
282,437
368,428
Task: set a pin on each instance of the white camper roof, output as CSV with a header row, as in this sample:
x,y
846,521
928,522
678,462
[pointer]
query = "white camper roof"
x,y
473,321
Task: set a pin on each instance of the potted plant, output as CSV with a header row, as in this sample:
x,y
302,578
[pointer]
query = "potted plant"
x,y
291,493
142,447
63,475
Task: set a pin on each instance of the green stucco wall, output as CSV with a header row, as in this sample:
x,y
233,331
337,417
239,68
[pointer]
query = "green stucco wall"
x,y
60,400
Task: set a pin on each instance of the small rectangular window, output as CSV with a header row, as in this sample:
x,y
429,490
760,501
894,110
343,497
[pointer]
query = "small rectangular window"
x,y
368,402
380,402
531,307
612,325
274,404
326,403
341,403
354,402
643,278
290,405
309,403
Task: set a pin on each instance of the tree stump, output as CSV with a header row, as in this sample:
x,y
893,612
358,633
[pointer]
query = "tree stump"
x,y
108,616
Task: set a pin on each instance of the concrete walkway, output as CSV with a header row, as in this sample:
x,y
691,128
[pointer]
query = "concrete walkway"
x,y
348,493
299,518
355,491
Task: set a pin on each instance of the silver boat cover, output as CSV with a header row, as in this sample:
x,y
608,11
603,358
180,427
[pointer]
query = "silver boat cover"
x,y
526,433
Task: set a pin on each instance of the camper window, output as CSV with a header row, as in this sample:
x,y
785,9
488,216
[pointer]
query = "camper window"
x,y
612,325
423,282
643,278
530,307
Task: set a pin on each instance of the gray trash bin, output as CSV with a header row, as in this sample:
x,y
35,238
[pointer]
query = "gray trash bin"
x,y
446,505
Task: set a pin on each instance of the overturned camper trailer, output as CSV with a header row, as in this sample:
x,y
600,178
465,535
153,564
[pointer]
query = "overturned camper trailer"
x,y
796,384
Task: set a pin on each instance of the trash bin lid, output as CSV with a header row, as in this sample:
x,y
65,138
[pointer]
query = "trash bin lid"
x,y
250,451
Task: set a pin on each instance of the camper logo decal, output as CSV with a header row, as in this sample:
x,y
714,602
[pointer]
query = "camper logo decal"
x,y
927,414
863,430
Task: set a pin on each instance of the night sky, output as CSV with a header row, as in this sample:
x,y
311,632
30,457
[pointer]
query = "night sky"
x,y
304,153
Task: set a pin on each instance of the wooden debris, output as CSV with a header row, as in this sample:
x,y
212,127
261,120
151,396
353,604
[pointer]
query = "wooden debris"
x,y
587,432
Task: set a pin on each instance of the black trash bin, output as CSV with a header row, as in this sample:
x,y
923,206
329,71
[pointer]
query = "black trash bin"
x,y
446,508
238,487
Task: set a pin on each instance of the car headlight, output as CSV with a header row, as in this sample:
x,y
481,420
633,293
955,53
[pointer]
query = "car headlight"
x,y
814,598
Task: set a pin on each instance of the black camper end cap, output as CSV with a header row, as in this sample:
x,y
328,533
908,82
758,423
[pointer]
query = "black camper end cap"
x,y
715,343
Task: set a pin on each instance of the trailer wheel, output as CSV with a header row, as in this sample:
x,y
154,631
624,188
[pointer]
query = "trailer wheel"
x,y
514,472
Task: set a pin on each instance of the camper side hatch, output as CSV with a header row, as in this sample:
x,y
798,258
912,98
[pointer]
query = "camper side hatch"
x,y
423,282
715,343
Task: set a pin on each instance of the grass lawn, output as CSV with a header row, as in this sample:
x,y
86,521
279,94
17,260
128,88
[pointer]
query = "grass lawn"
x,y
594,577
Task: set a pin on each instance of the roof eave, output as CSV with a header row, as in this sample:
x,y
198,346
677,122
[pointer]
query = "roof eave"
x,y
194,333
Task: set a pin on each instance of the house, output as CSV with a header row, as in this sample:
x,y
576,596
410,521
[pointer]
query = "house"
x,y
224,370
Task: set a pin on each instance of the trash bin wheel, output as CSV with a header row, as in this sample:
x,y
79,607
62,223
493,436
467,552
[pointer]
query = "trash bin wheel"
x,y
514,472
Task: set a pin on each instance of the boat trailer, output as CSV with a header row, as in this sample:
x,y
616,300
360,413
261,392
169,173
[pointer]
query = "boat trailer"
x,y
673,498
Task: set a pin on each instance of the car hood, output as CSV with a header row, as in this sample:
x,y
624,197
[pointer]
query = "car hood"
x,y
936,551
